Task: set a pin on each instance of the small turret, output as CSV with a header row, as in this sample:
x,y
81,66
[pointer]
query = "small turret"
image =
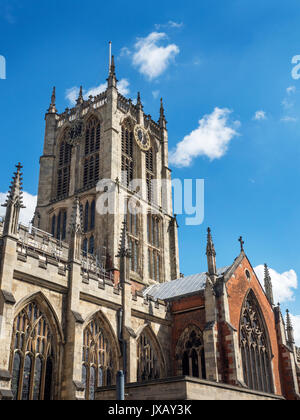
x,y
124,254
80,99
75,231
112,80
14,203
162,118
269,286
289,329
211,255
52,109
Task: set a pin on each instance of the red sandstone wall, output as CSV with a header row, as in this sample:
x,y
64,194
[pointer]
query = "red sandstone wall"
x,y
237,288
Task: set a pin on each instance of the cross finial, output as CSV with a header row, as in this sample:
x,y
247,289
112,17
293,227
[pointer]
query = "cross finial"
x,y
242,243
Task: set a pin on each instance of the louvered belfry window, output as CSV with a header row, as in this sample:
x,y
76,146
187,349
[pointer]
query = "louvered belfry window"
x,y
255,347
154,250
32,355
91,167
127,155
64,168
150,174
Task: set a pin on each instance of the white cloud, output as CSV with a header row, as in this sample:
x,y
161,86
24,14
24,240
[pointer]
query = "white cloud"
x,y
210,139
260,115
72,93
150,58
289,119
170,24
291,89
155,94
296,324
284,285
26,215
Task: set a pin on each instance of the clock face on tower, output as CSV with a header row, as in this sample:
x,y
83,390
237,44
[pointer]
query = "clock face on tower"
x,y
142,138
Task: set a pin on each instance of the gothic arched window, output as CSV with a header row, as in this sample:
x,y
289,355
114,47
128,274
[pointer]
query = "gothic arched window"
x,y
255,347
91,165
133,235
148,362
98,367
64,167
127,154
32,355
190,353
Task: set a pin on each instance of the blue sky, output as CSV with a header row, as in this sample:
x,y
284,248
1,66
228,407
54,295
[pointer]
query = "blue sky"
x,y
231,55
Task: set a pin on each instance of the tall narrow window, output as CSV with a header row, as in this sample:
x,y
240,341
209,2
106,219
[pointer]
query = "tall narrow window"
x,y
134,239
64,167
148,363
150,174
97,357
127,155
91,166
32,351
154,254
93,208
255,347
86,216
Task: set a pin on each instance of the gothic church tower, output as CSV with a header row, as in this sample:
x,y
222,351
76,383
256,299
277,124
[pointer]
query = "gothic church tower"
x,y
107,137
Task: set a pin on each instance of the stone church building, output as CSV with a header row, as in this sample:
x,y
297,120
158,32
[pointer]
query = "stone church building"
x,y
85,294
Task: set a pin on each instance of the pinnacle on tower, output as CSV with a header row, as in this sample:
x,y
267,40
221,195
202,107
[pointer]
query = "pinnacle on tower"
x,y
139,101
162,118
269,286
211,254
80,97
112,80
14,203
52,109
76,218
289,328
15,194
124,251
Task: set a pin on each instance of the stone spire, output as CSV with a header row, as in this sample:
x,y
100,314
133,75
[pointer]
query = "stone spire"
x,y
289,328
52,109
80,99
76,231
211,255
14,203
162,118
269,286
112,80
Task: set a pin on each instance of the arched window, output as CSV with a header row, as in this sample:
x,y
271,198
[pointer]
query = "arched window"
x,y
91,166
92,245
127,155
64,167
255,347
148,362
190,354
32,355
59,225
98,368
85,247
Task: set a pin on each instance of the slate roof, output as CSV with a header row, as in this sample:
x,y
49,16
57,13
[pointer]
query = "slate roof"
x,y
180,287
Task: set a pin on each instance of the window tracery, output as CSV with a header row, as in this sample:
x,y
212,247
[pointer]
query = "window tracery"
x,y
127,154
64,167
148,362
98,367
32,355
91,167
190,354
255,349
